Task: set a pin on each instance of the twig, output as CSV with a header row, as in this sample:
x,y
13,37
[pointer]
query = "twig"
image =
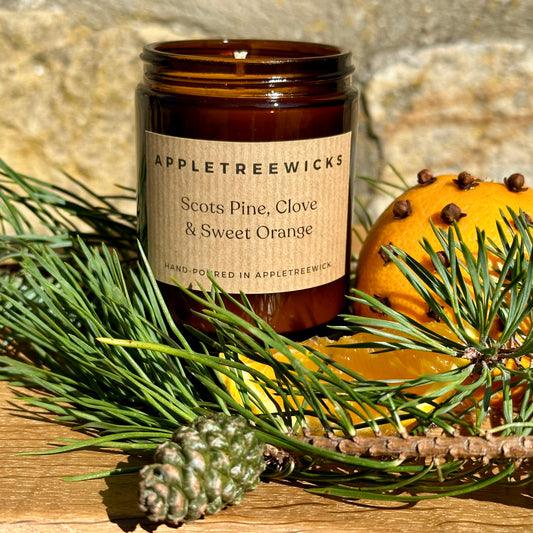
x,y
424,447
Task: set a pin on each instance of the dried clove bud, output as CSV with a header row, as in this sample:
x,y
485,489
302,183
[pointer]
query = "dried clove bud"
x,y
425,177
401,209
451,213
443,258
433,315
382,299
526,218
383,253
466,181
515,182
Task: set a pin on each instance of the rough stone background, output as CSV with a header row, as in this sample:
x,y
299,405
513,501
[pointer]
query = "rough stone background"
x,y
446,84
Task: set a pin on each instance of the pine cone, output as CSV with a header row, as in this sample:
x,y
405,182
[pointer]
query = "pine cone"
x,y
204,468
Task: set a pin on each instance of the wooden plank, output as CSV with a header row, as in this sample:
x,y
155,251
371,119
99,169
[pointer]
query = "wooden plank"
x,y
35,499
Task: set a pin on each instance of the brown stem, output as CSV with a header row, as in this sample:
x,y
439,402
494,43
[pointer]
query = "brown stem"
x,y
424,447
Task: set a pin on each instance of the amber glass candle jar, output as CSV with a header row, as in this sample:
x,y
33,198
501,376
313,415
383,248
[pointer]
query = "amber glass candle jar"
x,y
246,168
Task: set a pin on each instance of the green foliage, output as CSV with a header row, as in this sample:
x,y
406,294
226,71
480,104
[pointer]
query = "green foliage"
x,y
101,351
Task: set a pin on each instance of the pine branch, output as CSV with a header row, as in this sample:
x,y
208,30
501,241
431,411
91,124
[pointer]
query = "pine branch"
x,y
466,295
34,210
72,290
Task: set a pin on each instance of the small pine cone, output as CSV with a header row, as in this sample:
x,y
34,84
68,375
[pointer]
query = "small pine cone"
x,y
204,468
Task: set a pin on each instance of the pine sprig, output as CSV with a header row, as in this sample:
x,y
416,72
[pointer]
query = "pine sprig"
x,y
467,295
36,211
103,353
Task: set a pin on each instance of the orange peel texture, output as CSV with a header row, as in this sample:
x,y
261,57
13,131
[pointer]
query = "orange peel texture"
x,y
479,206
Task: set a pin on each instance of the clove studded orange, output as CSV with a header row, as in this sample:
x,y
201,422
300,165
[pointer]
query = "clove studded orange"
x,y
463,198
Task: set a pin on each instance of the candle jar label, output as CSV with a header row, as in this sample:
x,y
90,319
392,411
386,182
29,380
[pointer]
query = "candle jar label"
x,y
261,217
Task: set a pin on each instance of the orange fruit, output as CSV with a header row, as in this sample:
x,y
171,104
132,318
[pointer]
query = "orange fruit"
x,y
399,365
406,221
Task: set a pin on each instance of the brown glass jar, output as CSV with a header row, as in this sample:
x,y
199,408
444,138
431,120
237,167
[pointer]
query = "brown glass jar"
x,y
246,169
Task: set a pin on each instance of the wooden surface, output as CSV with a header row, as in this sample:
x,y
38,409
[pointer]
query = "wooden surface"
x,y
33,497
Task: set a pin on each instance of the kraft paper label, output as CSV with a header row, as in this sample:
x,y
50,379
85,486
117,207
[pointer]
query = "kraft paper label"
x,y
261,217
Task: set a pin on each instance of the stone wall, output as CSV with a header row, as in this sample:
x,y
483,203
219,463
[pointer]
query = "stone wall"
x,y
446,84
